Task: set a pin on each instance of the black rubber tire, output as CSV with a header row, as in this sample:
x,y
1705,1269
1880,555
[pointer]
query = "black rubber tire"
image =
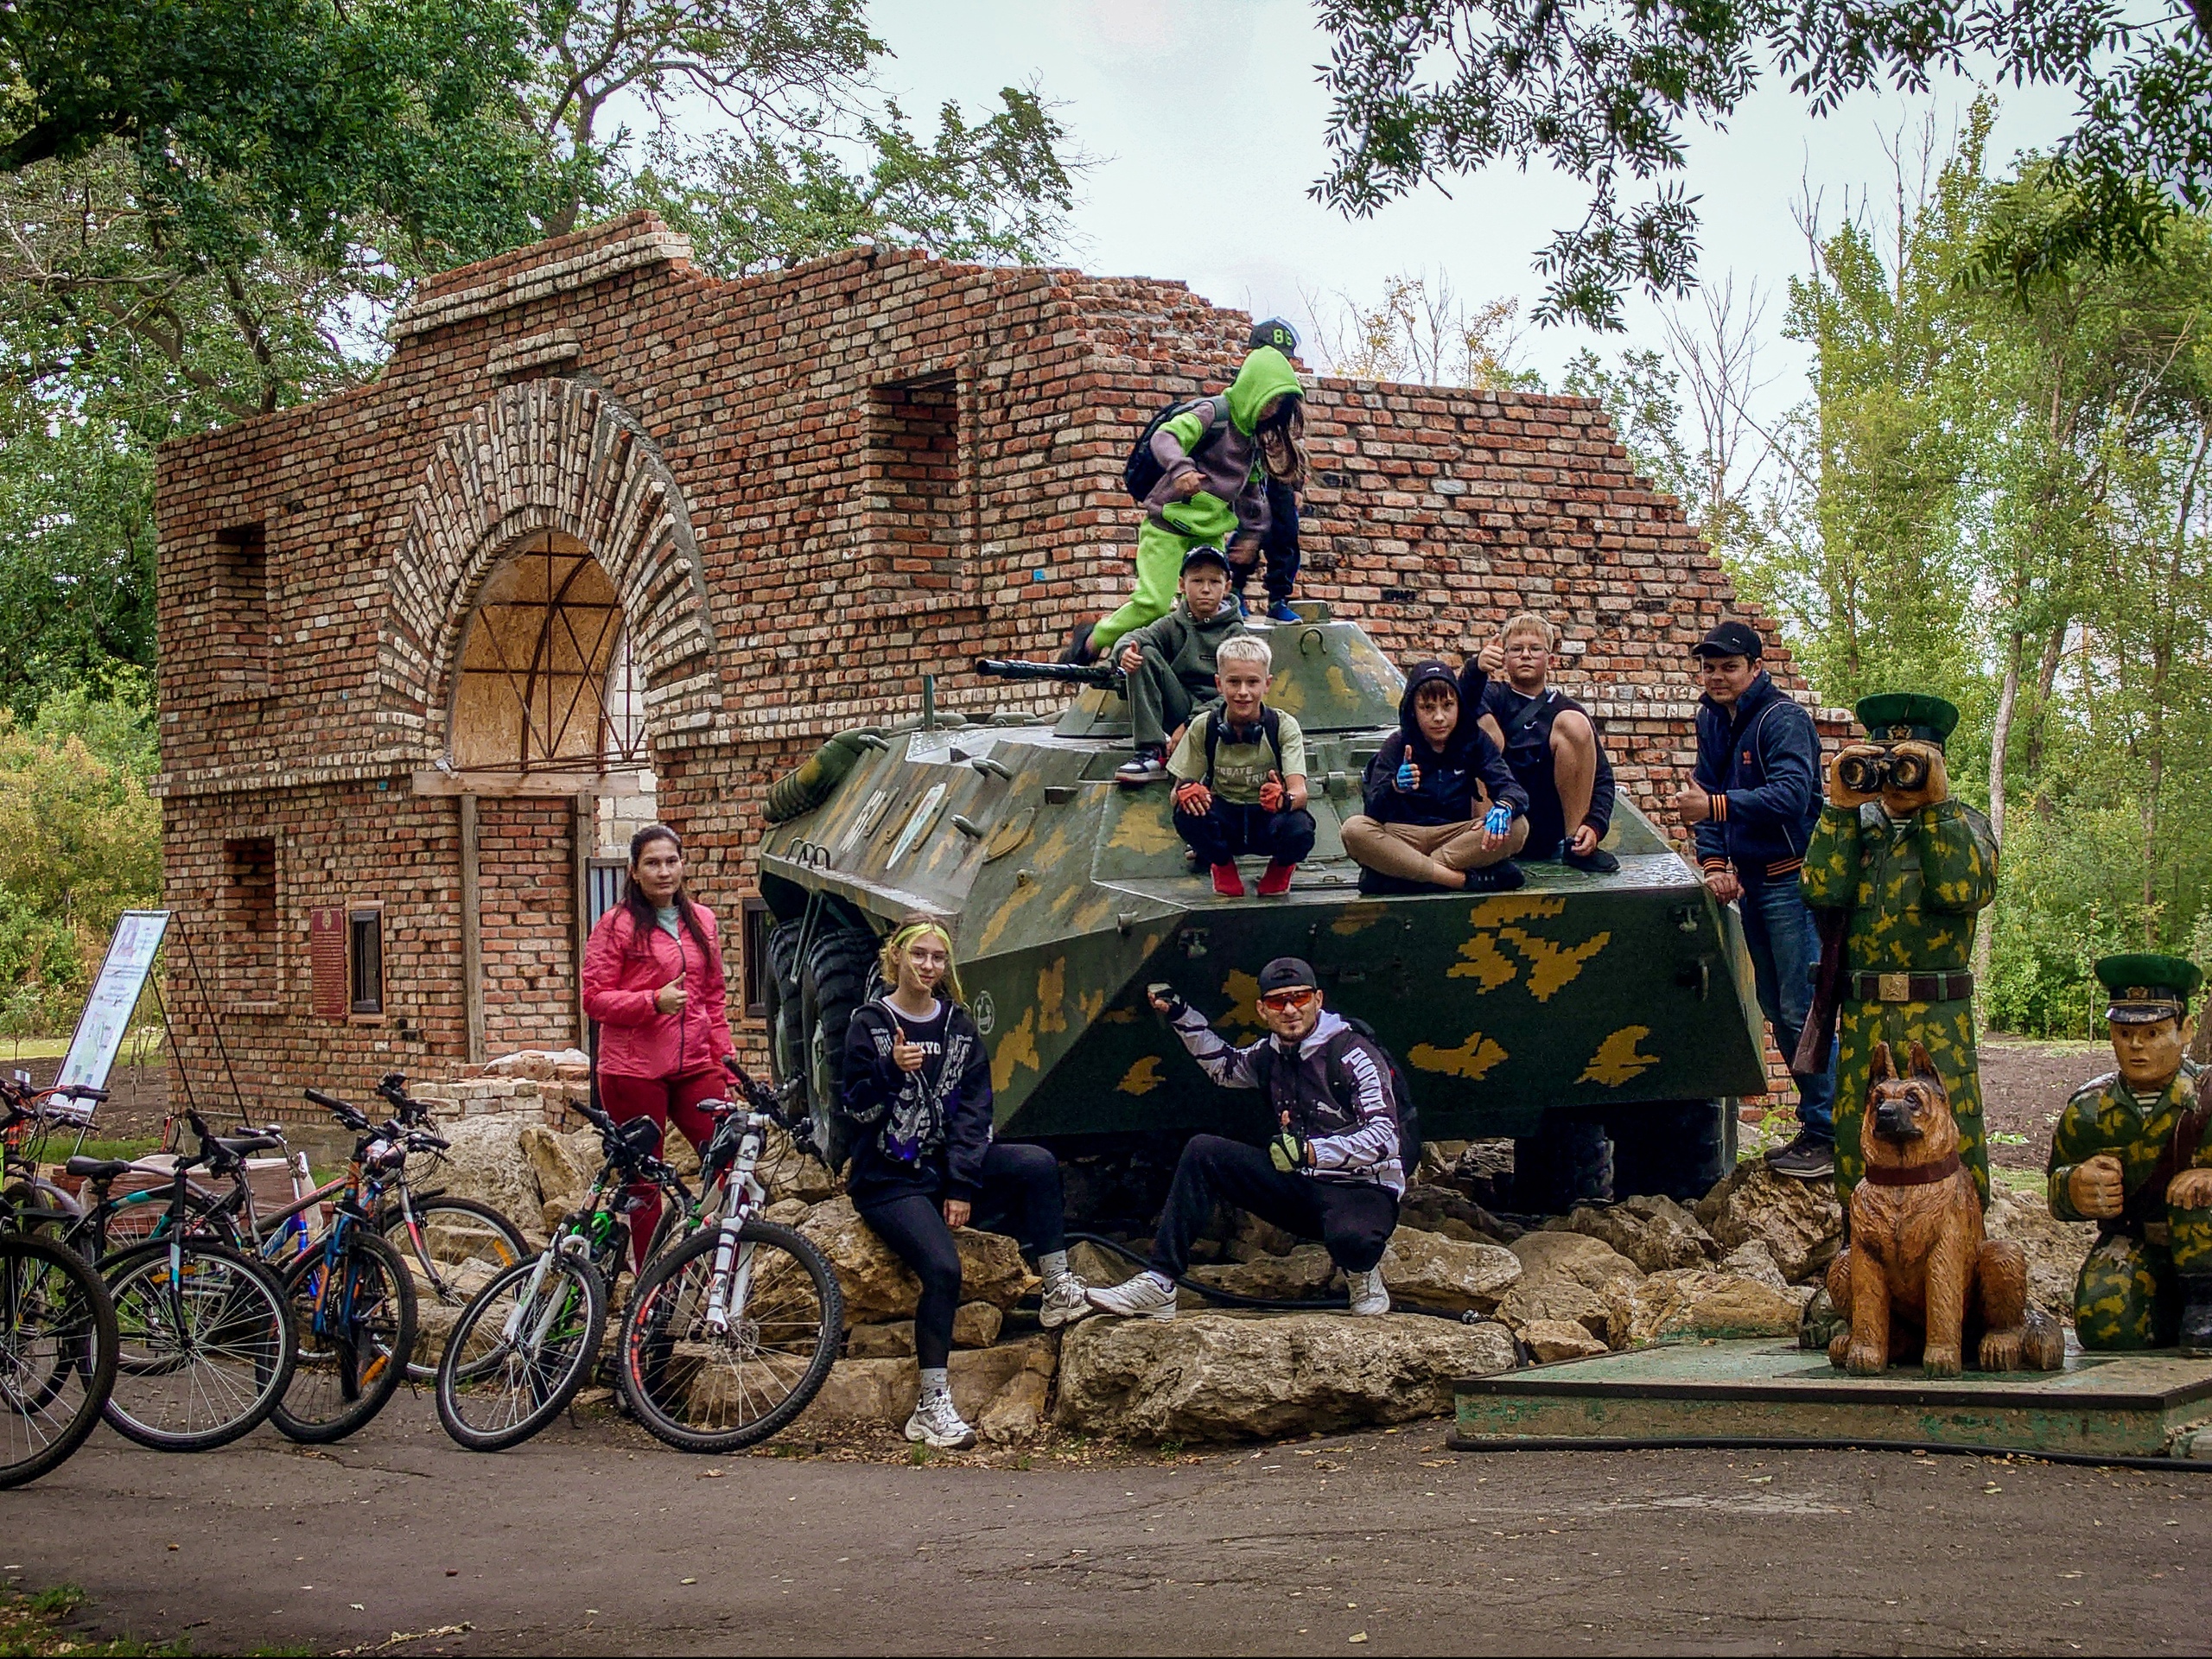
x,y
815,1301
1567,1161
392,1223
786,1018
50,1293
367,1364
552,1391
271,1358
1670,1149
832,983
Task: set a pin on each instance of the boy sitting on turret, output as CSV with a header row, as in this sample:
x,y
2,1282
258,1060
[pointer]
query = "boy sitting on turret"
x,y
1171,663
1240,772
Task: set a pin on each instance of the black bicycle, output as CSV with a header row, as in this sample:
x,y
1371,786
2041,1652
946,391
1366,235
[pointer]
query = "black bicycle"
x,y
351,1297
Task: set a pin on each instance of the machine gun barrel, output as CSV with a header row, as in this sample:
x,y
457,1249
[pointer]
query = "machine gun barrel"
x,y
1103,675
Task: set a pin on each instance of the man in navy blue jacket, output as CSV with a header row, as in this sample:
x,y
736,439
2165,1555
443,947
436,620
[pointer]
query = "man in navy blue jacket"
x,y
1752,808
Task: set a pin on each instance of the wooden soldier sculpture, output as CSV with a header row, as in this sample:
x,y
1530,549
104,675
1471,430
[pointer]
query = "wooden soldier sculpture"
x,y
2132,1152
1908,867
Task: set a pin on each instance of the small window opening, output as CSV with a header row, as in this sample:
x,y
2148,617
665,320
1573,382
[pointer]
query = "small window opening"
x,y
249,912
365,959
919,504
238,641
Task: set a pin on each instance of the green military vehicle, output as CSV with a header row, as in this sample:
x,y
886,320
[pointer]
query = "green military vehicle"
x,y
1597,1019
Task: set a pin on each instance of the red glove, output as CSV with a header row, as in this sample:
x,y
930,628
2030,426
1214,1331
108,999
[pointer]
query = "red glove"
x,y
1272,794
1193,798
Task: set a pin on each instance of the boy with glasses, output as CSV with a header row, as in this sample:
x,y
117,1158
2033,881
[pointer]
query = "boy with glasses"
x,y
1751,808
1334,1171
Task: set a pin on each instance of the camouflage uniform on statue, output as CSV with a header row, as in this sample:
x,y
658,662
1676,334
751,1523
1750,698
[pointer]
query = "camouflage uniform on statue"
x,y
2133,1152
1910,865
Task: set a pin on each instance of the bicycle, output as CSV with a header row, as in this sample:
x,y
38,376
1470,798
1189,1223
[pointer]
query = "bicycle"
x,y
733,1321
206,1345
57,1330
352,1298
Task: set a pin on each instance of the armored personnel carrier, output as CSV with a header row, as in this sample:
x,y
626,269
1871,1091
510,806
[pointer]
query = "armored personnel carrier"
x,y
1596,1019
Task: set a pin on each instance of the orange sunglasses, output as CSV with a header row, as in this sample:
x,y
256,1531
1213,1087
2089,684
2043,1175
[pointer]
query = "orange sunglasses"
x,y
1290,1001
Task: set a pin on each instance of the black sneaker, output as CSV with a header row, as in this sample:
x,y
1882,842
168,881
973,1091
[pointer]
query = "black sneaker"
x,y
1597,862
1809,1158
1078,649
1373,882
1501,877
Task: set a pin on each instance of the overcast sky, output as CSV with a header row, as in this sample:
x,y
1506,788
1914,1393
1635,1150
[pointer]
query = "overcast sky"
x,y
1218,99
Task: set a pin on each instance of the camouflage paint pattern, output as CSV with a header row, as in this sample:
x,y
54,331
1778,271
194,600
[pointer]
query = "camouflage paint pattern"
x,y
1067,895
1912,888
2126,1296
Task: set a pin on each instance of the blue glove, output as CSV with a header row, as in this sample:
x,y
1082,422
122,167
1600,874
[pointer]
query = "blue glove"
x,y
1406,775
1500,820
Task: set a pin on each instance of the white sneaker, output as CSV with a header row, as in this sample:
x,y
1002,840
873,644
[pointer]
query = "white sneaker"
x,y
936,1423
1369,1295
1066,1299
1136,1297
1145,769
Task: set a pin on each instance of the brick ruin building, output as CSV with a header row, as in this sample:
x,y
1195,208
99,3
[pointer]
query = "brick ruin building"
x,y
611,539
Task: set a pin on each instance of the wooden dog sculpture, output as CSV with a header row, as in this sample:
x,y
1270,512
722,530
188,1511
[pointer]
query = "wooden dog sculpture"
x,y
1919,1278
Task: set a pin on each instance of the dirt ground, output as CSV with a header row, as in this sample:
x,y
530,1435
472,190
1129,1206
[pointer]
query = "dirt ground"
x,y
594,1540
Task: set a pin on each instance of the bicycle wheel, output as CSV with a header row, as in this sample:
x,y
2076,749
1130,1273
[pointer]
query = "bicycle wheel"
x,y
454,1249
709,1379
354,1325
205,1345
495,1389
57,1355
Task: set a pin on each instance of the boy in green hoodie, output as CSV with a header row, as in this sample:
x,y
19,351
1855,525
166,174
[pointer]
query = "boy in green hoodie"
x,y
1169,664
1215,460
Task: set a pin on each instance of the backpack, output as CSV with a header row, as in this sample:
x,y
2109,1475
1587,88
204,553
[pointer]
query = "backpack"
x,y
1142,470
1270,723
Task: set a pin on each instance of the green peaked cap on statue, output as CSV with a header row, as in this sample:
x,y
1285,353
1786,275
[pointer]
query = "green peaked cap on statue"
x,y
2144,988
1895,715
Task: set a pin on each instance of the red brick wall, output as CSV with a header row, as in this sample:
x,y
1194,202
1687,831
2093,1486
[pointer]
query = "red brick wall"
x,y
812,487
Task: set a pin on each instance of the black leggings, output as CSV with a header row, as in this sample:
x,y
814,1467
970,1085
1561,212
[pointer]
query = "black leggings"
x,y
1354,1219
1020,1183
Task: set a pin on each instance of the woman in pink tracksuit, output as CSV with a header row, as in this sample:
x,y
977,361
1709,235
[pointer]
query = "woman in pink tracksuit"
x,y
653,980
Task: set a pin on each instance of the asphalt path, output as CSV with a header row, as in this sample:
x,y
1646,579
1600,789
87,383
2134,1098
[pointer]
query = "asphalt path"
x,y
594,1540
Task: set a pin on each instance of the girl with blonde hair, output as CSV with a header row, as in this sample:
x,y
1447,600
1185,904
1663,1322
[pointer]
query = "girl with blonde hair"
x,y
918,1089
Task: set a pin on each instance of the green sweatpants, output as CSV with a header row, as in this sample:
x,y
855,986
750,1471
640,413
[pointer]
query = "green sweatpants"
x,y
2128,1296
1160,570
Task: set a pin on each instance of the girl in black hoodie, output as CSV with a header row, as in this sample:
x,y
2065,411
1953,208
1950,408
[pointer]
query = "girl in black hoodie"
x,y
1443,809
918,1088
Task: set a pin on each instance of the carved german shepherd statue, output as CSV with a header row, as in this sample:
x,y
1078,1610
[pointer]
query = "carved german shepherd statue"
x,y
1919,1278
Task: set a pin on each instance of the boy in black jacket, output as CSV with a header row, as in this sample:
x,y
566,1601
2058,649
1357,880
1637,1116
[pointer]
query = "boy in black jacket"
x,y
1334,1171
1751,809
1549,740
1427,823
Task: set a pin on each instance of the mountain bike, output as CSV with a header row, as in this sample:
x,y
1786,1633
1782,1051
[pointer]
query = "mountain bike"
x,y
58,1339
351,1297
735,1321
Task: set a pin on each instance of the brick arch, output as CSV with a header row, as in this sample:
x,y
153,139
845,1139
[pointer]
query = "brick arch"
x,y
546,455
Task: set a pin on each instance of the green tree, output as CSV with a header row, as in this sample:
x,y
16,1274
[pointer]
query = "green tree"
x,y
1606,91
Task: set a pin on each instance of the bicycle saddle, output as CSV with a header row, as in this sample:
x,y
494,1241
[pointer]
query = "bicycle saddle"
x,y
242,1146
98,1169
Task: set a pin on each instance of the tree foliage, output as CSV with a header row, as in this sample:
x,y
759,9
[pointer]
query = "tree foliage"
x,y
1607,91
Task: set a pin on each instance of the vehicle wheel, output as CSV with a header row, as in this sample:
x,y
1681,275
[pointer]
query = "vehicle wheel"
x,y
1567,1161
495,1392
454,1249
832,983
354,1325
206,1349
57,1355
1670,1149
705,1386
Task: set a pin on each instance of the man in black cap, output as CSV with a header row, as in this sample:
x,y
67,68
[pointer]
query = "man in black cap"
x,y
1279,542
1751,808
1334,1170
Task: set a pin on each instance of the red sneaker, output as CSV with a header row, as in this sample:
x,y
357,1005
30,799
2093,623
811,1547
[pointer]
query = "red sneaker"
x,y
1276,880
1227,882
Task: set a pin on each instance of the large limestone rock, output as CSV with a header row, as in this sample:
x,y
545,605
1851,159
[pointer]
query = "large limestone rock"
x,y
1306,1272
878,1287
2055,1248
1573,1277
1752,1259
1801,1223
787,1172
1556,1340
1438,1208
976,1325
1454,1276
1656,1233
1695,1302
516,1167
883,1391
1255,1238
1219,1377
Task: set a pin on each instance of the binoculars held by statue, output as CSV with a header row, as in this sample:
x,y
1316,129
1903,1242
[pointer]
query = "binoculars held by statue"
x,y
1870,774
